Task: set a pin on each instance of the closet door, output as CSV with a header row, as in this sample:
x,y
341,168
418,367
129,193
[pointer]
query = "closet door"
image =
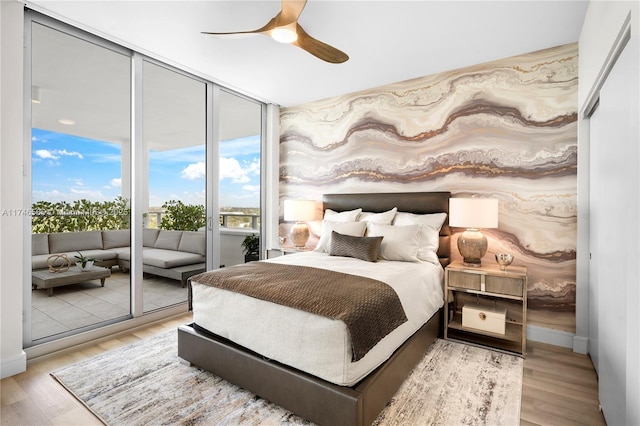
x,y
613,205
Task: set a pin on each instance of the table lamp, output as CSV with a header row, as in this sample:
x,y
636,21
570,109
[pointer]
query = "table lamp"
x,y
298,211
473,214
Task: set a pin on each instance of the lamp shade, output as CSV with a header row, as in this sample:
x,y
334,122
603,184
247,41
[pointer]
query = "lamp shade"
x,y
299,210
473,212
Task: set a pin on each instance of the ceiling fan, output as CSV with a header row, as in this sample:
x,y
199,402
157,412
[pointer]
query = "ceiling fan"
x,y
284,28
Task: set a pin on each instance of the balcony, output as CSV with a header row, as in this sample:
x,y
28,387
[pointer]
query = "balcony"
x,y
87,304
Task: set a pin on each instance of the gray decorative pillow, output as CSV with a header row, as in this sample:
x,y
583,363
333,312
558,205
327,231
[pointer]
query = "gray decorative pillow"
x,y
363,248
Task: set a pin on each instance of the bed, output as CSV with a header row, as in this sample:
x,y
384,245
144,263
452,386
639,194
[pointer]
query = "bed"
x,y
354,391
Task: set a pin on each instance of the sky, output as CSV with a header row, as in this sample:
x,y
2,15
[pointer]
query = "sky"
x,y
69,168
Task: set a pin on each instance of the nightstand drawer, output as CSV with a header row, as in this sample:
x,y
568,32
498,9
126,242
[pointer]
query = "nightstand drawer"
x,y
503,285
464,280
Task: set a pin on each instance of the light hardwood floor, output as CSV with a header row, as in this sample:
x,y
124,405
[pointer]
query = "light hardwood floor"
x,y
559,387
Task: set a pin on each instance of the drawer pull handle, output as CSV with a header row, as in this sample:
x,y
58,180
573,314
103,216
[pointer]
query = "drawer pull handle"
x,y
483,316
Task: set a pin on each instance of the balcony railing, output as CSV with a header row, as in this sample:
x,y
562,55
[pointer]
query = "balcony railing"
x,y
233,220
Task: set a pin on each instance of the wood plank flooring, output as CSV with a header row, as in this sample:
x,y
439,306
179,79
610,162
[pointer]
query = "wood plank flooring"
x,y
559,387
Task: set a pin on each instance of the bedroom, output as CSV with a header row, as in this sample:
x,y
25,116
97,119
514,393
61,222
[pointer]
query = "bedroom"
x,y
580,327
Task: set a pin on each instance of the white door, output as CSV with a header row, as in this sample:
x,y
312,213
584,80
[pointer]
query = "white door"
x,y
612,182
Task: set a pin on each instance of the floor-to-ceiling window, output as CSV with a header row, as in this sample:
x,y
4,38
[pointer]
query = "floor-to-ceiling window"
x,y
174,137
80,133
129,154
240,138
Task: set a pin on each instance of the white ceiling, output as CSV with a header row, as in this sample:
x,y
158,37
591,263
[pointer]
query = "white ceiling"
x,y
387,41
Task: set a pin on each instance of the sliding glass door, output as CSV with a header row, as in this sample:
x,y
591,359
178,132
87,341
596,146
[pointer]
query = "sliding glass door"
x,y
174,138
240,135
131,161
80,139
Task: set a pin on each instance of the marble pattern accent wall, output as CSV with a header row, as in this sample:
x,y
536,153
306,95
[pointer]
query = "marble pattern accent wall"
x,y
505,129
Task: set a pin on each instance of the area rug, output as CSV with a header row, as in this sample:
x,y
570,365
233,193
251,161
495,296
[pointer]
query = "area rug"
x,y
146,384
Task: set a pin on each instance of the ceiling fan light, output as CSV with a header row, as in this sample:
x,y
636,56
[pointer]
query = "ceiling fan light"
x,y
284,35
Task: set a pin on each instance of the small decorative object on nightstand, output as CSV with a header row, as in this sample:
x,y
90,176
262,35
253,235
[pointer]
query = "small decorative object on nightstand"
x,y
504,260
486,306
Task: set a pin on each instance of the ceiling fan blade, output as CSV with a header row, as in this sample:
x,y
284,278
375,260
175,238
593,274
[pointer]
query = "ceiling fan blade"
x,y
290,12
265,29
318,48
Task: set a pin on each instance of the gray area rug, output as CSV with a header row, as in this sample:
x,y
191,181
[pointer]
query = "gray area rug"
x,y
146,384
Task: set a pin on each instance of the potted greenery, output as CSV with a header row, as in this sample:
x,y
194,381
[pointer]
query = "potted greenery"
x,y
251,247
85,263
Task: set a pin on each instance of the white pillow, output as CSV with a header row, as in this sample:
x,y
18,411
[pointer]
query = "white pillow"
x,y
354,229
429,235
384,218
399,242
348,216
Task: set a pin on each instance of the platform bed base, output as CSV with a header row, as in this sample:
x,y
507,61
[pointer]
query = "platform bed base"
x,y
309,397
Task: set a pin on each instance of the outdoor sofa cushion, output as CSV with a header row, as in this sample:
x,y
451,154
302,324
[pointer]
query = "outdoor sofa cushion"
x,y
193,242
39,244
116,238
162,258
169,240
62,242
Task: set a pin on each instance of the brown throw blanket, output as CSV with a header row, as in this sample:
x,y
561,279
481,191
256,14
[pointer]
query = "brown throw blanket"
x,y
370,309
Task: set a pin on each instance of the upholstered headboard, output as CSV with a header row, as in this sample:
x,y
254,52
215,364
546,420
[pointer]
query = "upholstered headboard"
x,y
411,202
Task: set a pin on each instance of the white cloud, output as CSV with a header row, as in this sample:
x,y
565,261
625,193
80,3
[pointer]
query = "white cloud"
x,y
54,154
253,167
230,169
116,183
45,153
195,171
72,153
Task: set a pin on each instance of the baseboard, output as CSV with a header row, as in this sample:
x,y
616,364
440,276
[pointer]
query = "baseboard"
x,y
550,336
13,366
581,345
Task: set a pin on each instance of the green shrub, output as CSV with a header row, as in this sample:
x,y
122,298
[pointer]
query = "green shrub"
x,y
182,217
79,215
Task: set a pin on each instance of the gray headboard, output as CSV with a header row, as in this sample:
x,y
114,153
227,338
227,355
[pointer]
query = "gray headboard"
x,y
412,202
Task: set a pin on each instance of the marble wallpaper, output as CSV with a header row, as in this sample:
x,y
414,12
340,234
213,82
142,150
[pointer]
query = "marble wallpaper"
x,y
505,129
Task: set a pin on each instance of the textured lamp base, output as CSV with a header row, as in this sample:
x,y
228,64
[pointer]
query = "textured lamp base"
x,y
299,234
472,246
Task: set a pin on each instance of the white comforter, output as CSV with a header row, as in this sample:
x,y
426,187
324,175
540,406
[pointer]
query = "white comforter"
x,y
315,344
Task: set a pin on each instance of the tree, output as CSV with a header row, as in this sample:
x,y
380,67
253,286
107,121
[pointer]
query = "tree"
x,y
182,217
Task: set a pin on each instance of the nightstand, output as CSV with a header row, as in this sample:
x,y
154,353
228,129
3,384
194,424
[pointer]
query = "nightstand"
x,y
488,293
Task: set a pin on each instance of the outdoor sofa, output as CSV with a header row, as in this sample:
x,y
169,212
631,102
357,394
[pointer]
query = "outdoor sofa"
x,y
176,255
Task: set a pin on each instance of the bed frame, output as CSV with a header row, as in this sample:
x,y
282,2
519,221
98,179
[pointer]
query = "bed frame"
x,y
308,396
